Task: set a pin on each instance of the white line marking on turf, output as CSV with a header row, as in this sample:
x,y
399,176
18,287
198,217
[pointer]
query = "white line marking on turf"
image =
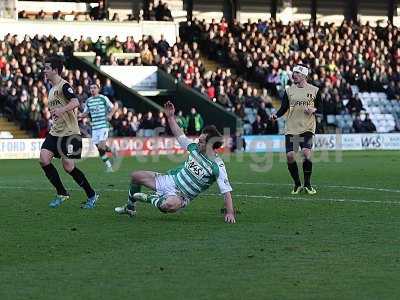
x,y
349,187
310,198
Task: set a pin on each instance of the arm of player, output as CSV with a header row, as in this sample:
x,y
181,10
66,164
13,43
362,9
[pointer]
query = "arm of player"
x,y
229,209
226,189
178,133
111,108
85,112
284,107
72,104
318,103
170,113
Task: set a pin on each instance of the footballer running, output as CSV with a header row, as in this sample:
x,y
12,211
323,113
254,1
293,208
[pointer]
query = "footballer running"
x,y
63,140
100,109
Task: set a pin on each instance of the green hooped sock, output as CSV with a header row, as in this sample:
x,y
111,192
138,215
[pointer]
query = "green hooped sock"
x,y
156,200
133,188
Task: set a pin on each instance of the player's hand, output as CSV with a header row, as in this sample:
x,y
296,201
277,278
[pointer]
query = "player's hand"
x,y
309,110
169,109
274,117
230,218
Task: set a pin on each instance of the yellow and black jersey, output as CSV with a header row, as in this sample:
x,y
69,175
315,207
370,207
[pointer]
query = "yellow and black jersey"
x,y
295,101
59,96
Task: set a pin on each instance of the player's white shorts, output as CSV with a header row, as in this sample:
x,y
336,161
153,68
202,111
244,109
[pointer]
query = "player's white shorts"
x,y
165,186
99,135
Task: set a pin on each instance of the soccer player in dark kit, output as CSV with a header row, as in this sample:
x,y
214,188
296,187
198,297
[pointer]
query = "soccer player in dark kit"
x,y
301,101
64,140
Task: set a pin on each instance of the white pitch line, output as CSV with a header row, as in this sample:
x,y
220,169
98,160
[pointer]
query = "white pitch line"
x,y
349,187
310,198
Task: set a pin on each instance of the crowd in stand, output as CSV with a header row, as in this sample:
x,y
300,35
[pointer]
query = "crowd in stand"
x,y
182,61
339,56
24,92
153,12
263,52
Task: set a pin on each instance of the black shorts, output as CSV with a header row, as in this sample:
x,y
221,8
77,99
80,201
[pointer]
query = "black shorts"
x,y
64,146
304,140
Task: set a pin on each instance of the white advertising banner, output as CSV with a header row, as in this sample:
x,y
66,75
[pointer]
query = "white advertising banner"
x,y
326,142
380,141
30,148
136,77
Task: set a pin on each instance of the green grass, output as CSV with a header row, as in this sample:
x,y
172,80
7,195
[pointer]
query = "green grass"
x,y
342,243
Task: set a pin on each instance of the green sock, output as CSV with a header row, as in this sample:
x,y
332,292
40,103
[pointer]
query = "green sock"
x,y
103,155
154,199
133,188
104,158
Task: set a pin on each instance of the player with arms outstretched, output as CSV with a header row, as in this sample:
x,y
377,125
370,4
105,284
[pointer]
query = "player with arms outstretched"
x,y
301,101
64,140
176,189
100,109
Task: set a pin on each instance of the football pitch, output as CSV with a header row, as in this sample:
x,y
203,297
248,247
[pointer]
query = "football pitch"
x,y
343,243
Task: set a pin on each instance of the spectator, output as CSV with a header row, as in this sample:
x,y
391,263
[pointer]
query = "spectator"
x,y
23,110
354,105
10,107
162,12
358,125
41,15
44,123
115,18
115,47
195,122
238,143
263,112
150,13
391,91
99,12
182,121
368,125
146,55
239,110
162,46
108,90
258,126
223,98
134,125
115,122
210,91
57,15
149,122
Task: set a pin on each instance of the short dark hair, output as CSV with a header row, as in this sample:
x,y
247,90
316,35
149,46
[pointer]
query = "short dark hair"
x,y
56,62
213,136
